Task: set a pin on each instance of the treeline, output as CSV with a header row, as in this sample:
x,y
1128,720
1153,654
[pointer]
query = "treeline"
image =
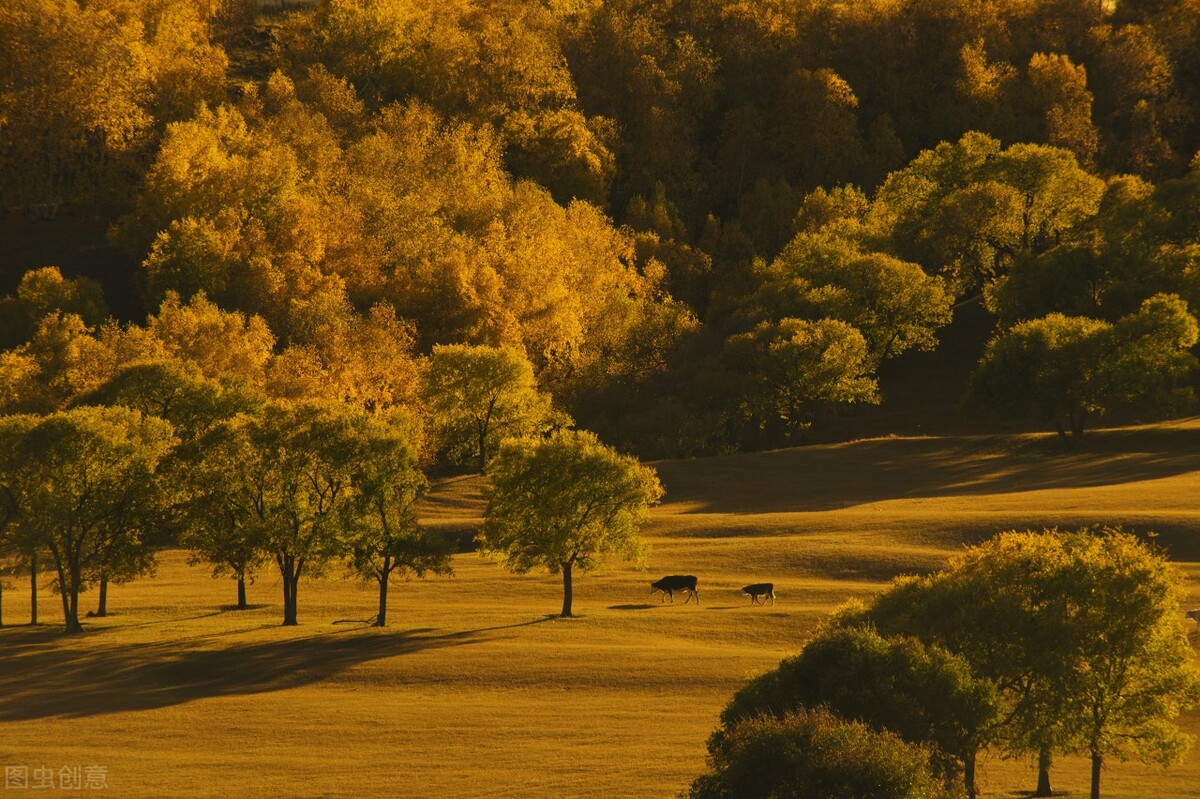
x,y
1032,644
704,224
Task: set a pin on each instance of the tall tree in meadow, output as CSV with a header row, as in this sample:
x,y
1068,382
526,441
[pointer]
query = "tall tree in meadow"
x,y
562,502
386,538
83,483
280,480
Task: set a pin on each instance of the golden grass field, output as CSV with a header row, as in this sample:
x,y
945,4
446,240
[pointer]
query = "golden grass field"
x,y
475,691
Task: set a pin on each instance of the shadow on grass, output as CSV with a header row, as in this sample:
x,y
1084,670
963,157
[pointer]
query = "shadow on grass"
x,y
834,476
45,673
236,609
643,606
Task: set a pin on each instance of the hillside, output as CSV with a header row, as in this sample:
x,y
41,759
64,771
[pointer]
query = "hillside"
x,y
475,691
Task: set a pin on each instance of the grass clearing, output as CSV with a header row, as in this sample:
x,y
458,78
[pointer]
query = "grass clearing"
x,y
475,691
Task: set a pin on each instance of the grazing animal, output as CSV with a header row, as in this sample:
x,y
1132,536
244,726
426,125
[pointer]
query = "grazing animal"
x,y
1194,615
676,582
766,590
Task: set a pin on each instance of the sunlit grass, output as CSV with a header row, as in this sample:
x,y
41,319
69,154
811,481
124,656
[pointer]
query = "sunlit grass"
x,y
476,691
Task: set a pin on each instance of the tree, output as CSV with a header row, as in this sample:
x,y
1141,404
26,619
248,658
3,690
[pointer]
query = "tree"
x,y
788,370
479,395
43,291
893,303
83,483
218,514
814,753
1078,631
1134,672
387,538
1065,369
923,694
562,501
280,481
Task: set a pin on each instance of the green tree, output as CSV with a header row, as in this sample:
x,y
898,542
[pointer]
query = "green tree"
x,y
1065,369
562,501
1078,631
809,753
789,370
387,538
923,694
220,519
84,485
479,395
893,303
280,482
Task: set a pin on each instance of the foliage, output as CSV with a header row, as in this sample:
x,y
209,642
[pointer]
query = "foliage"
x,y
791,369
477,396
83,484
563,501
923,694
1064,369
814,753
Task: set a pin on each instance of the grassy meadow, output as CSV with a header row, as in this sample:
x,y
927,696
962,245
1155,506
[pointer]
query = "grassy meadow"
x,y
475,690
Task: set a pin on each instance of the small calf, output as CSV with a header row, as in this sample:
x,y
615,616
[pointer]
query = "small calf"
x,y
676,582
766,590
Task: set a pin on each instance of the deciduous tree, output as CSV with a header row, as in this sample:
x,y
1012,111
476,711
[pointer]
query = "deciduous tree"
x,y
477,396
386,536
83,482
562,502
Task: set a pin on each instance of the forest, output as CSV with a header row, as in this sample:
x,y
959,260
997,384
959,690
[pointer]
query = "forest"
x,y
705,224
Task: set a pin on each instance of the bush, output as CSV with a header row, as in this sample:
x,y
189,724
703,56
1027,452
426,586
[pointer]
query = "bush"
x,y
813,754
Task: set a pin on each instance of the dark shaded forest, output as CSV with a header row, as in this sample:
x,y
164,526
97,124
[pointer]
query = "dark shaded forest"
x,y
706,225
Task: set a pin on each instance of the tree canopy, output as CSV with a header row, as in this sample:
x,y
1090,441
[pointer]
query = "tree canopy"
x,y
564,501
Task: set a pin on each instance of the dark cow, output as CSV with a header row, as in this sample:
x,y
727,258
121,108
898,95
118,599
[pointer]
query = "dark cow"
x,y
676,582
766,590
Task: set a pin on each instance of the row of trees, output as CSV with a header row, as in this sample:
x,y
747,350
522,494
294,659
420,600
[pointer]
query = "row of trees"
x,y
300,484
1035,644
304,485
194,429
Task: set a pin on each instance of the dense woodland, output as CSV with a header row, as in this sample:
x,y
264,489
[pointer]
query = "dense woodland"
x,y
705,224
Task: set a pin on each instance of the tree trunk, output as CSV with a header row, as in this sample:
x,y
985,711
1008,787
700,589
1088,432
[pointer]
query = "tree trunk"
x,y
289,570
102,606
1,602
1043,783
1077,427
1062,431
381,619
969,775
33,597
241,605
1097,761
69,591
566,570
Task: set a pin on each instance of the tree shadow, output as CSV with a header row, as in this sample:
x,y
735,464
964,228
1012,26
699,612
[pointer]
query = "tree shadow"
x,y
833,476
44,674
642,606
